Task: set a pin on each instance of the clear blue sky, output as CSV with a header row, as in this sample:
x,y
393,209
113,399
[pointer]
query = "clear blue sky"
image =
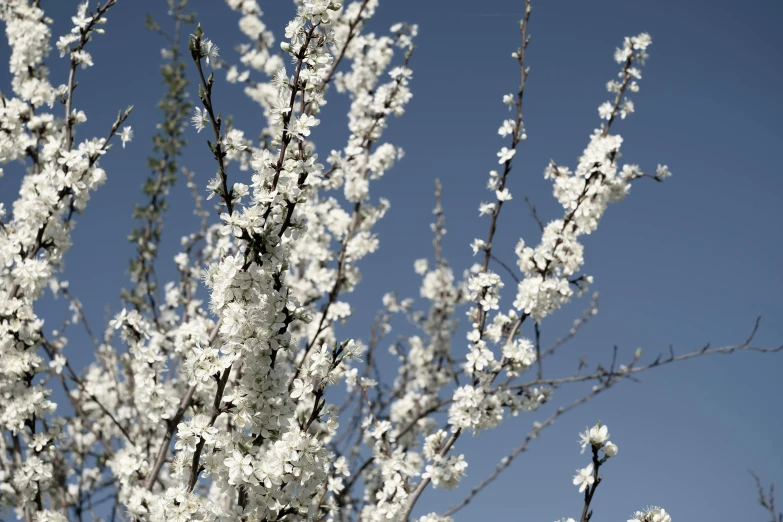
x,y
686,262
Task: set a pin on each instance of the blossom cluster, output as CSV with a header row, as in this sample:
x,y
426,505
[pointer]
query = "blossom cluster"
x,y
224,408
587,478
60,177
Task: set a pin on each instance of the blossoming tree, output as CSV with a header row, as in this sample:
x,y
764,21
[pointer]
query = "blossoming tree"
x,y
252,408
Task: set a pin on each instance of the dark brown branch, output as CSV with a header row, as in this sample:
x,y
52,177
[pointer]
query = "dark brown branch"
x,y
767,500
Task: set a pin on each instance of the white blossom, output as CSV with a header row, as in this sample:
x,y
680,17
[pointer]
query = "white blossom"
x,y
584,477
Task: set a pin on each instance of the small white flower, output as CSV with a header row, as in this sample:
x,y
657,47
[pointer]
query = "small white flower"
x,y
584,477
662,172
57,363
503,195
126,135
486,208
420,266
478,244
652,514
507,128
596,436
200,118
505,155
209,49
300,388
341,466
239,467
233,140
605,110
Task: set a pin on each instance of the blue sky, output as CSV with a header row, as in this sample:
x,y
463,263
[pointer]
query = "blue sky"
x,y
690,261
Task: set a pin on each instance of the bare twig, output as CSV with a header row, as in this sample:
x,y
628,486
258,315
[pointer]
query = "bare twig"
x,y
534,213
767,500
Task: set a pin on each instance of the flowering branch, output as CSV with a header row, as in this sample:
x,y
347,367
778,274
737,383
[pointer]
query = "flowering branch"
x,y
240,388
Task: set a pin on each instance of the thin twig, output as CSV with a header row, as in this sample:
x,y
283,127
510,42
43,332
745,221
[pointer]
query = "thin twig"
x,y
767,500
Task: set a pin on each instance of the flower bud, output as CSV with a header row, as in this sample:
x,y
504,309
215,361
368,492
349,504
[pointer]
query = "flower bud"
x,y
610,449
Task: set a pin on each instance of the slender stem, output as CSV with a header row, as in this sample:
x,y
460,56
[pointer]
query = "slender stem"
x,y
590,491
